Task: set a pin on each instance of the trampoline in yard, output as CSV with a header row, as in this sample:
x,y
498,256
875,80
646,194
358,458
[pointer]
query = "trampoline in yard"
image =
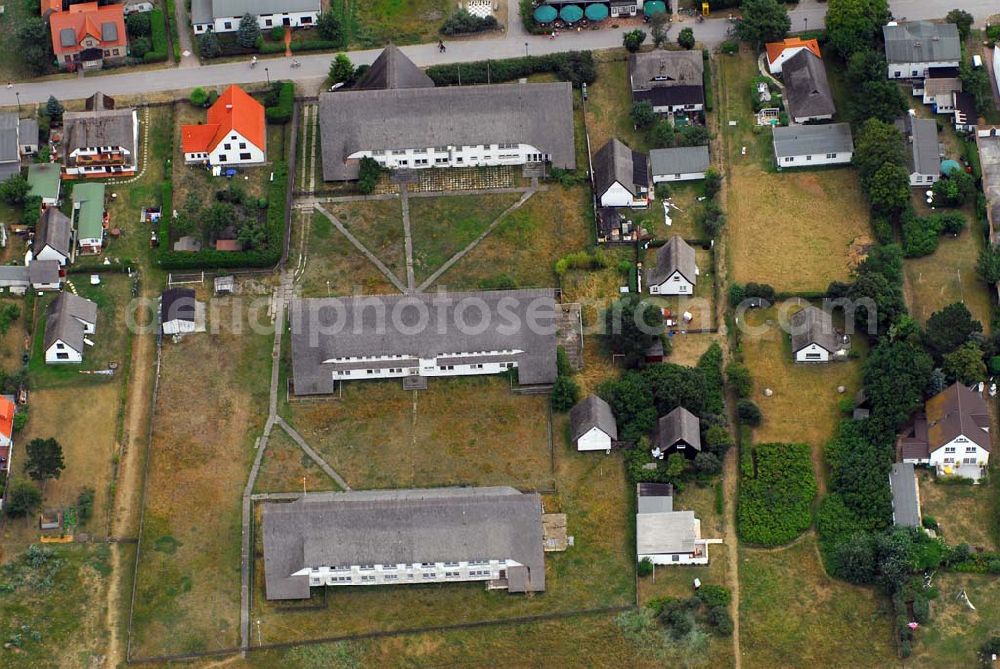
x,y
653,7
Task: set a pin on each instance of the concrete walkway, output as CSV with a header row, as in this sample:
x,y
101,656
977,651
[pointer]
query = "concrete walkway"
x,y
189,58
474,243
404,198
361,247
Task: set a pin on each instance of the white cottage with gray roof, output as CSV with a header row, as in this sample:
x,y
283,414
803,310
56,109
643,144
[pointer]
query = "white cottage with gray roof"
x,y
812,145
592,425
664,536
914,48
675,271
923,157
814,338
683,163
223,16
400,537
423,335
621,176
68,319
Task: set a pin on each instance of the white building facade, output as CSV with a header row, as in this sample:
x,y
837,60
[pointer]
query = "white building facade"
x,y
408,574
485,155
229,24
59,352
816,159
595,439
812,353
675,284
235,149
391,367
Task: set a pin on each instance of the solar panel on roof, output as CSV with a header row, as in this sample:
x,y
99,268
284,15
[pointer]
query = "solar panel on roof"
x,y
67,37
109,32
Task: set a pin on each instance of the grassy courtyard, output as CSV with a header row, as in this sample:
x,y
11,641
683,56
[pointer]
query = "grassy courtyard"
x,y
380,436
956,632
334,266
378,224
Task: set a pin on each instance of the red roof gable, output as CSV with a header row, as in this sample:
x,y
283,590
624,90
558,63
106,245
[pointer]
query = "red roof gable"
x,y
88,20
6,417
775,49
236,111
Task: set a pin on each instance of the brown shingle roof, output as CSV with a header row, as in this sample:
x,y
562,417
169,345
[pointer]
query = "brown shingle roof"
x,y
956,411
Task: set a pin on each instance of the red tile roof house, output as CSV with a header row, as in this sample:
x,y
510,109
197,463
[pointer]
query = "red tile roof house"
x,y
235,133
6,433
87,35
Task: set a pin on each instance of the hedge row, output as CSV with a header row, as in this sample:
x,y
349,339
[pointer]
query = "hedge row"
x,y
573,66
707,80
298,47
158,54
775,500
277,194
281,113
172,22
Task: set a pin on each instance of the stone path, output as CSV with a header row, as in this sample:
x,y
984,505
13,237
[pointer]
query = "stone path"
x,y
188,57
404,198
282,294
361,247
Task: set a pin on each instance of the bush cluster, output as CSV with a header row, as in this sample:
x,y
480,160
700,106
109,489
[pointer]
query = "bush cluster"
x,y
775,502
576,67
461,22
281,102
921,234
158,52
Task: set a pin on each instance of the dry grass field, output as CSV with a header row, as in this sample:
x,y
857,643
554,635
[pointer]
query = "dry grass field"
x,y
609,105
211,406
792,229
948,275
286,467
523,249
16,342
955,633
460,431
378,224
596,572
793,615
443,226
966,514
334,266
787,417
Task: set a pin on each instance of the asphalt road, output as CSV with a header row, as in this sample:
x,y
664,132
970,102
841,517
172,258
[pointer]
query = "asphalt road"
x,y
313,69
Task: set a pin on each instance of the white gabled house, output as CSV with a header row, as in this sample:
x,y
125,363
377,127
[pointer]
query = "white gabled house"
x,y
621,176
235,132
223,16
68,320
592,425
179,312
952,435
814,338
53,238
676,269
812,145
683,163
779,52
914,48
923,155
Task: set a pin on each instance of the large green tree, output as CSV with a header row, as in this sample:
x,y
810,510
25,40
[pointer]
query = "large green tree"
x,y
33,45
876,144
889,189
949,328
965,364
877,99
963,20
45,459
14,189
329,28
22,499
763,21
631,401
248,32
878,303
632,326
895,376
855,25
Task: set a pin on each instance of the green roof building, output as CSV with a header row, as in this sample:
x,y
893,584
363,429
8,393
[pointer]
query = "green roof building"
x,y
44,180
88,214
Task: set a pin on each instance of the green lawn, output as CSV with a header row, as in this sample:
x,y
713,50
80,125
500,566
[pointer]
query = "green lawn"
x,y
378,224
443,226
51,608
793,615
379,22
955,632
334,266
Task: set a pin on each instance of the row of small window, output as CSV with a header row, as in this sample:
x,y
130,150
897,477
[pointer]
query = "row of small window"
x,y
228,147
443,368
829,156
966,461
951,449
243,156
423,565
439,149
269,23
